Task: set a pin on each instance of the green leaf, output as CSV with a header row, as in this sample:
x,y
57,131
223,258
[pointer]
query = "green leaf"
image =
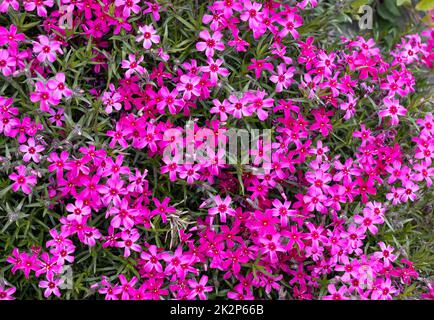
x,y
403,2
425,5
359,3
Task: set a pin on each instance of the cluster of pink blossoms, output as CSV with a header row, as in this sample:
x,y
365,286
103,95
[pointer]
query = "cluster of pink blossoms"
x,y
291,226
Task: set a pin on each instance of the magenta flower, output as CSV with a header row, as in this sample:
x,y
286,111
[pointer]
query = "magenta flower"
x,y
189,86
148,35
31,150
210,43
214,69
336,294
44,96
162,208
22,180
57,117
6,293
349,107
78,211
222,208
169,99
290,24
133,65
228,7
271,245
408,191
129,5
199,288
112,99
392,109
368,221
239,107
39,5
46,49
251,13
259,65
154,8
258,102
112,191
51,286
57,163
152,259
128,242
48,265
58,86
385,254
283,78
423,172
7,63
384,291
220,108
190,173
4,5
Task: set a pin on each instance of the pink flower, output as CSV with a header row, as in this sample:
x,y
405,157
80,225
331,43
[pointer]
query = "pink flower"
x,y
189,85
385,254
48,265
423,172
44,96
211,43
408,191
290,24
384,290
154,8
220,108
259,65
58,86
128,242
393,109
148,36
58,163
199,288
222,208
283,78
349,107
22,180
336,294
214,69
228,7
78,211
6,293
239,107
46,49
24,262
112,99
57,116
152,259
133,65
368,221
129,5
7,63
251,13
258,102
4,5
51,286
31,150
271,245
39,5
190,173
169,99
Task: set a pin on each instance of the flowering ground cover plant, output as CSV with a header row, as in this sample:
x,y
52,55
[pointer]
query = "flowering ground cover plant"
x,y
117,179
